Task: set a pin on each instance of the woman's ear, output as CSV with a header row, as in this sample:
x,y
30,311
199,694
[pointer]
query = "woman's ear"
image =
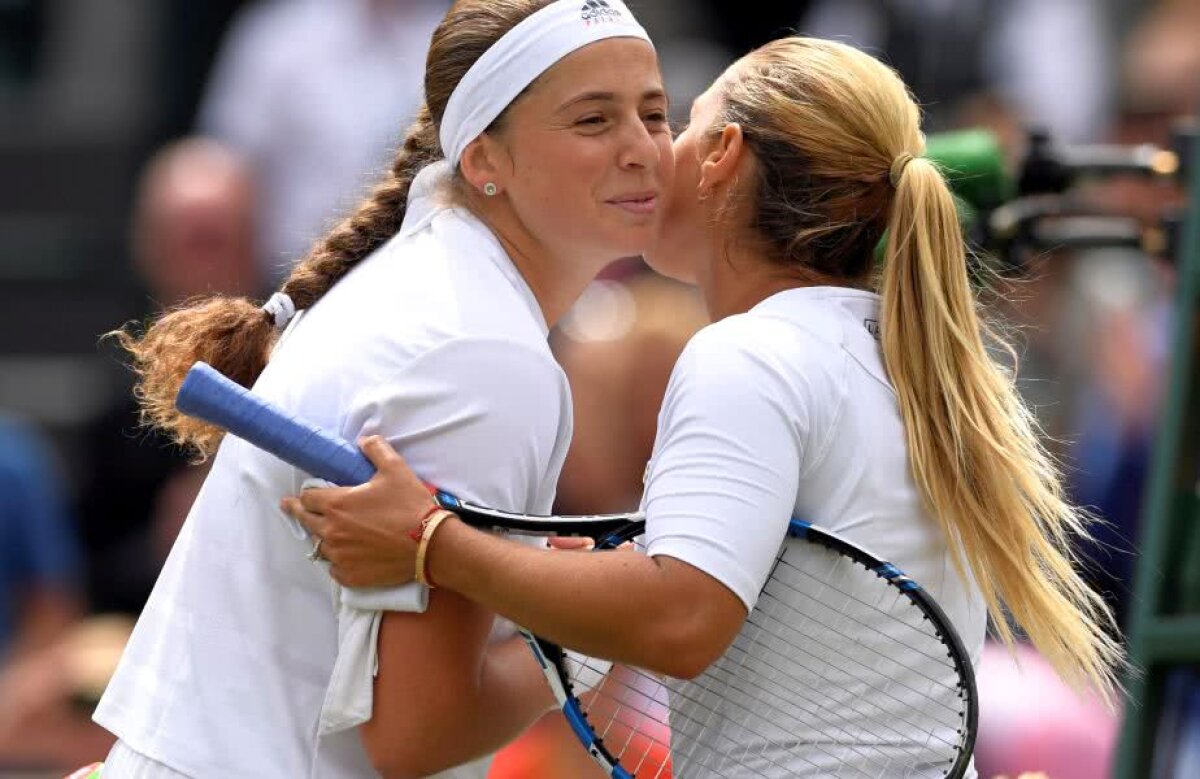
x,y
719,167
482,164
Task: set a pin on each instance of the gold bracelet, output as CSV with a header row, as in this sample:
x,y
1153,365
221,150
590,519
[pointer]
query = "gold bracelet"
x,y
430,526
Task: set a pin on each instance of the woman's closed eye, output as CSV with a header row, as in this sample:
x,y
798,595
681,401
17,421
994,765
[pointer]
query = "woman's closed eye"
x,y
654,120
657,120
592,122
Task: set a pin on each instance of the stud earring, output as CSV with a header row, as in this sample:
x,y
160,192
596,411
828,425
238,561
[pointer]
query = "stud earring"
x,y
490,189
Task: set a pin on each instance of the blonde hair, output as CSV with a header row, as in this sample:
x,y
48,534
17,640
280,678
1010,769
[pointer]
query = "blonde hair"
x,y
832,129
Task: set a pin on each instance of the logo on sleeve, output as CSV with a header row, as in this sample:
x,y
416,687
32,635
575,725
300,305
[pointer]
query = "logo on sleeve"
x,y
599,11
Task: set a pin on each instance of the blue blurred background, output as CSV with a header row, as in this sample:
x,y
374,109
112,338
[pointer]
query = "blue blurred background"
x,y
153,150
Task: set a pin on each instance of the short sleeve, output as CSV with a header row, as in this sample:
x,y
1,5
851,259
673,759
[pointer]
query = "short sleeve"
x,y
722,483
489,420
486,419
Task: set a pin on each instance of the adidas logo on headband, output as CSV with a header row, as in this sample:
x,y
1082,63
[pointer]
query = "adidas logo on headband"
x,y
597,11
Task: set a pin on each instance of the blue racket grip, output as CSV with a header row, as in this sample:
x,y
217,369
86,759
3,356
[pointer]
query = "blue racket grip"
x,y
209,395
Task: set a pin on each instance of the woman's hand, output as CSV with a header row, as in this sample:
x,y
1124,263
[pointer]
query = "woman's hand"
x,y
364,531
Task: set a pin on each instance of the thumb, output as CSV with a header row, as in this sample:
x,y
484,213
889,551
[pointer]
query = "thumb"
x,y
379,451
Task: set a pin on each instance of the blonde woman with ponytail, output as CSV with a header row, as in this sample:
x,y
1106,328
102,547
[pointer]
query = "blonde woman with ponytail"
x,y
862,400
538,160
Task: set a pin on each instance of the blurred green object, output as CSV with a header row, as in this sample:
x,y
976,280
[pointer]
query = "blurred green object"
x,y
974,166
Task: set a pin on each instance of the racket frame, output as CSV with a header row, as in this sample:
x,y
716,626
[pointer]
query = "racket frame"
x,y
553,658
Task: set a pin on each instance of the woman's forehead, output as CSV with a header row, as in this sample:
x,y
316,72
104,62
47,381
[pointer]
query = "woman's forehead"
x,y
622,67
709,99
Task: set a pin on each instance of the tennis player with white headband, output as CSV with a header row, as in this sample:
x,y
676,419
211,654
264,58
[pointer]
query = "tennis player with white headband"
x,y
538,160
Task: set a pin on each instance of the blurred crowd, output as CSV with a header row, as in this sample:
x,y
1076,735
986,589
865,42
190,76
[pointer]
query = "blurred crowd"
x,y
156,150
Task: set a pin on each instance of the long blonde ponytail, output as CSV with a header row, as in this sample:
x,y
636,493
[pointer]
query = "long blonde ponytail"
x,y
974,445
837,141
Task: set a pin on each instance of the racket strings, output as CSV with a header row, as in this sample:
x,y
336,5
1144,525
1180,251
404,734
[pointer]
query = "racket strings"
x,y
882,665
881,690
838,734
949,691
755,632
923,633
896,739
637,730
695,743
814,638
659,717
769,693
851,739
677,715
917,628
636,768
801,712
643,717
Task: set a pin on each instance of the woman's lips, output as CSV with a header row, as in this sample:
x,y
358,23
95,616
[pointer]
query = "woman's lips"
x,y
642,203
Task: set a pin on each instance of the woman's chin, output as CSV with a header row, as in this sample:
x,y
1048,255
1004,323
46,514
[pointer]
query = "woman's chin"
x,y
671,267
631,243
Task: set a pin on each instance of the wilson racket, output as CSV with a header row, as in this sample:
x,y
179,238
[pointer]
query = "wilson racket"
x,y
845,668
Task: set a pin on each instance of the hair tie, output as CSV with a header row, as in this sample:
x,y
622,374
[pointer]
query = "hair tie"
x,y
898,166
281,307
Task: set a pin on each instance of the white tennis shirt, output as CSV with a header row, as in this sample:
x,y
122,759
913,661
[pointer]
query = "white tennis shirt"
x,y
434,342
786,411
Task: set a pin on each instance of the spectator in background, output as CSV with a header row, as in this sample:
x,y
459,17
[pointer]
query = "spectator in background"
x,y
1162,61
193,234
312,93
1045,62
39,592
194,221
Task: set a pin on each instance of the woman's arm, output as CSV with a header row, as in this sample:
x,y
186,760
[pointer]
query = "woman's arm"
x,y
653,612
657,613
432,714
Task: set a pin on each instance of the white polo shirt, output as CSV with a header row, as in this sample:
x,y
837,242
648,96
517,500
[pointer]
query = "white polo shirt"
x,y
434,342
786,411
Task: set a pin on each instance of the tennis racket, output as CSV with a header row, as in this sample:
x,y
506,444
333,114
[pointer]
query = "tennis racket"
x,y
845,668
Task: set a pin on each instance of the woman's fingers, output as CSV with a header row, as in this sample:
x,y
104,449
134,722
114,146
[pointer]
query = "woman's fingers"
x,y
316,524
572,543
393,469
318,499
365,531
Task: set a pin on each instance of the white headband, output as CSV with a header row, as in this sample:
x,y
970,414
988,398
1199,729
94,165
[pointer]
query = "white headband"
x,y
520,56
